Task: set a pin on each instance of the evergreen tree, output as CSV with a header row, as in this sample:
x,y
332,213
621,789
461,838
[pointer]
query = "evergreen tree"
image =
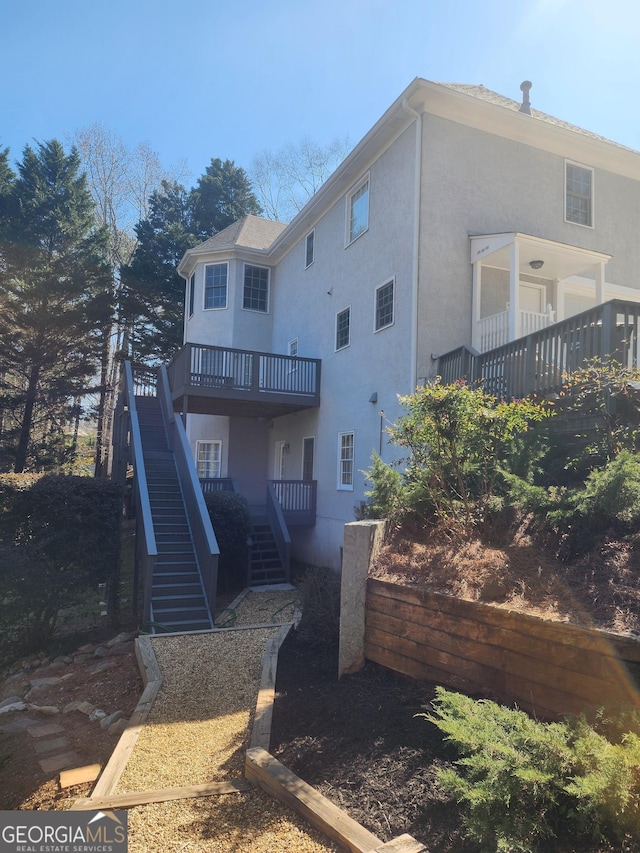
x,y
153,297
153,301
222,196
54,299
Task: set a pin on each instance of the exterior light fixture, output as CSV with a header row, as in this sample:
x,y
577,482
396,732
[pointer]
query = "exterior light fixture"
x,y
536,265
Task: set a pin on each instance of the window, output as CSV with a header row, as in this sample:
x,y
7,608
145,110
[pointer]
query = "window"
x,y
293,347
256,288
215,286
384,306
343,329
345,460
208,455
192,293
358,211
579,194
308,449
308,257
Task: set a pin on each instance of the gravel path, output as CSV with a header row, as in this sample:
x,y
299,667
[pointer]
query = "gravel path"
x,y
198,730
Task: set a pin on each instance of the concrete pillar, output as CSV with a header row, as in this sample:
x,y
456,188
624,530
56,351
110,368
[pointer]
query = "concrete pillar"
x,y
362,542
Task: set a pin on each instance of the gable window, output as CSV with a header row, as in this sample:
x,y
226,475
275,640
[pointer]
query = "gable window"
x,y
358,210
384,305
192,293
346,447
579,194
256,288
208,457
343,328
215,286
309,248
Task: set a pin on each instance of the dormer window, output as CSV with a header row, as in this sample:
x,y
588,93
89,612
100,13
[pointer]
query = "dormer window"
x,y
579,194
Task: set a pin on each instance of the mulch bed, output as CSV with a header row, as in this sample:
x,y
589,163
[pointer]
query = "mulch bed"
x,y
358,741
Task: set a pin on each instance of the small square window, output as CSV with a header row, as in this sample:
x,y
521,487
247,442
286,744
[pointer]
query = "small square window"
x,y
343,328
256,288
579,194
384,306
215,286
346,458
309,249
358,211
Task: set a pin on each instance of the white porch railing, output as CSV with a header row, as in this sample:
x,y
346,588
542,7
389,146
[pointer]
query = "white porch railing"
x,y
494,330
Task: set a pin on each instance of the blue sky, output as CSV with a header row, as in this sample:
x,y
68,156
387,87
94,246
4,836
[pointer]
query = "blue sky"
x,y
203,78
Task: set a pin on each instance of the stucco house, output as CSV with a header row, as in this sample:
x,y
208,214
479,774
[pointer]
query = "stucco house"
x,y
462,219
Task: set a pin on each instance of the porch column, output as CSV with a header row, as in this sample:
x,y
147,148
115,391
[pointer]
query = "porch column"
x,y
475,305
514,291
599,277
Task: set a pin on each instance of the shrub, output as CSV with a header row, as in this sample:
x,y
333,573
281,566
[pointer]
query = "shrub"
x,y
387,496
456,436
522,782
231,519
61,537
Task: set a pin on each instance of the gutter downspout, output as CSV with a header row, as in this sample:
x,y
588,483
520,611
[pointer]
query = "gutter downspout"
x,y
416,246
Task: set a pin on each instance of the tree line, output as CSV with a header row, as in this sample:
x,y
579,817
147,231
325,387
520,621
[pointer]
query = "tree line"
x,y
90,239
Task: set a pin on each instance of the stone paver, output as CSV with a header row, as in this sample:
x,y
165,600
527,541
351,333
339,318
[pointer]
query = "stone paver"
x,y
59,762
51,745
17,726
45,730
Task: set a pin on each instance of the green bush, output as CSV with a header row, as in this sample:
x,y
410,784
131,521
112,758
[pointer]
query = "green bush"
x,y
388,497
60,538
231,519
522,782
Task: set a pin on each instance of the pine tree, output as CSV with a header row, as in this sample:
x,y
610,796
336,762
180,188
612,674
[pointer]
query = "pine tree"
x,y
54,300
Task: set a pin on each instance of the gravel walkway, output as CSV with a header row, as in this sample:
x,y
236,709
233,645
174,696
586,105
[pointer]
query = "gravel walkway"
x,y
198,730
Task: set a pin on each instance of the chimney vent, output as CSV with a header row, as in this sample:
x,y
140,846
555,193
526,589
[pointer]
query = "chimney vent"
x,y
525,107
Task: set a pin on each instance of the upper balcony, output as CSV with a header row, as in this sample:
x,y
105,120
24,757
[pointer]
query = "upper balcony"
x,y
211,380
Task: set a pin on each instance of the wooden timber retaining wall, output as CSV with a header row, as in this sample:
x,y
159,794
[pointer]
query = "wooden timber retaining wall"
x,y
547,668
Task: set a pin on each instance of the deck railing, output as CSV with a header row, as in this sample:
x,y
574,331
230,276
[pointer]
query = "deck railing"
x,y
539,362
202,366
297,499
217,484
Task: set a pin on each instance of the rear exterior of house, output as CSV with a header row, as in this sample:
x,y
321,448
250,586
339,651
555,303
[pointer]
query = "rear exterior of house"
x,y
462,219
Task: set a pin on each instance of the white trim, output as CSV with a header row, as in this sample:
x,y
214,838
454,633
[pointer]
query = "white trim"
x,y
279,459
348,239
335,329
204,287
591,224
217,441
346,487
392,281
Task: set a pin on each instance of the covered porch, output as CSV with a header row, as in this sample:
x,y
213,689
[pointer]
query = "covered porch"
x,y
522,284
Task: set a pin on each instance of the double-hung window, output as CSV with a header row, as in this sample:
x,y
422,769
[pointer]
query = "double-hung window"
x,y
384,306
346,457
343,328
215,286
358,210
578,194
256,288
208,459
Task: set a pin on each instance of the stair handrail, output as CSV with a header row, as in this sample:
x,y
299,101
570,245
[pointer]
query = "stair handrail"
x,y
279,528
204,538
147,554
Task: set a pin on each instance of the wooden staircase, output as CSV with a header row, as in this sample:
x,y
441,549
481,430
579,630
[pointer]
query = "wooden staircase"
x,y
265,564
178,599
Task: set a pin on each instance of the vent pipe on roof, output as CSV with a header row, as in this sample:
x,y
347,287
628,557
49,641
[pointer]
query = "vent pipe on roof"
x,y
525,107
